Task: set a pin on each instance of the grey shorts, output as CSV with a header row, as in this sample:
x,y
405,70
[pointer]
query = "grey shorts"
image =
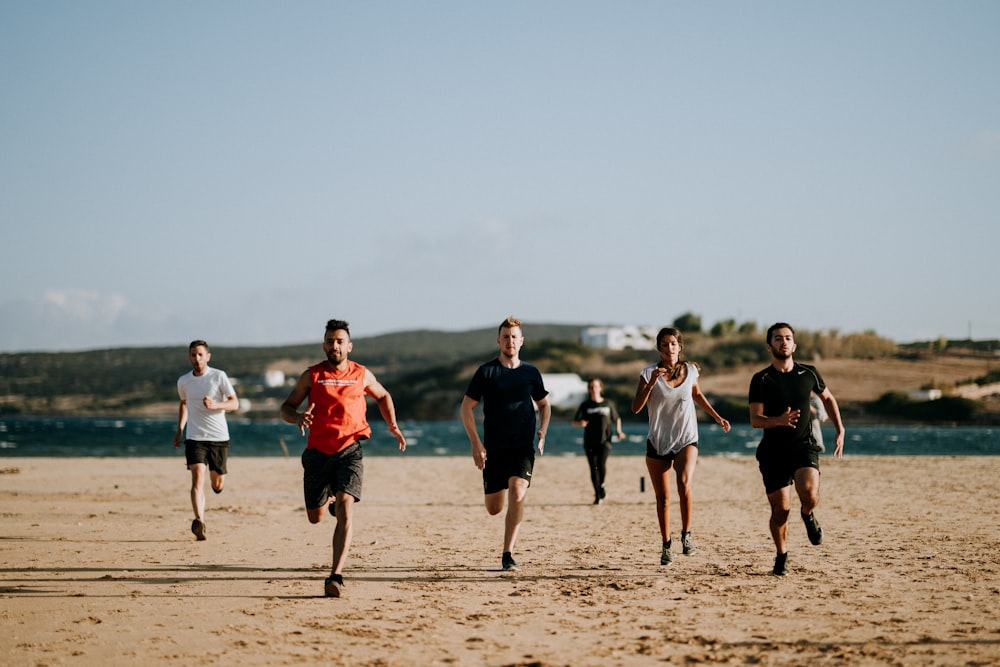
x,y
324,475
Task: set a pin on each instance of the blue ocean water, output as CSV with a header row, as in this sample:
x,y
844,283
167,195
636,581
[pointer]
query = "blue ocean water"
x,y
77,436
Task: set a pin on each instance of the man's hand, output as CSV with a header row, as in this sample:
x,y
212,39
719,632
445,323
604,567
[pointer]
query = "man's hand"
x,y
479,455
306,418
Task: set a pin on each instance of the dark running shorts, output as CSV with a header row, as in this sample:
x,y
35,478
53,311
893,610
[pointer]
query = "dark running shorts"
x,y
212,454
778,466
669,458
503,464
324,475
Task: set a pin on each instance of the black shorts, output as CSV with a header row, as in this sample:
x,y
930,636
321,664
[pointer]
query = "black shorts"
x,y
778,464
669,458
503,464
324,475
212,454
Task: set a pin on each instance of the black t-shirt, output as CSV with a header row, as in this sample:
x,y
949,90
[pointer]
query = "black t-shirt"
x,y
508,396
600,417
779,391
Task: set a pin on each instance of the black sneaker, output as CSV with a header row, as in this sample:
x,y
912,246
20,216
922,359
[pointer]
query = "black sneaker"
x,y
665,556
813,529
333,587
508,564
198,528
780,565
686,545
332,508
603,494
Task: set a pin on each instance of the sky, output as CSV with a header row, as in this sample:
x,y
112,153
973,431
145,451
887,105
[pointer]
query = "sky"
x,y
243,171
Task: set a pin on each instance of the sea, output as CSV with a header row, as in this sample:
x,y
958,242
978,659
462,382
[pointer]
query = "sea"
x,y
139,437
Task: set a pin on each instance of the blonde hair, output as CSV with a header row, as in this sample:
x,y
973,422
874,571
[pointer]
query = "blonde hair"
x,y
510,323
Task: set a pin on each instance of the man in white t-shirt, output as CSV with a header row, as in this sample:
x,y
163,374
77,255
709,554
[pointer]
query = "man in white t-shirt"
x,y
206,394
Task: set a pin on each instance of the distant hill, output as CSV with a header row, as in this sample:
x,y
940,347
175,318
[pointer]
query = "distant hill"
x,y
427,372
124,380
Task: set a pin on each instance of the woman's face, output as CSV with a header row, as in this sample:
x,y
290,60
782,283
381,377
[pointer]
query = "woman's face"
x,y
670,349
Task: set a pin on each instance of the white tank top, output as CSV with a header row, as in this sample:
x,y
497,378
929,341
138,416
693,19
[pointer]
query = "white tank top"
x,y
672,420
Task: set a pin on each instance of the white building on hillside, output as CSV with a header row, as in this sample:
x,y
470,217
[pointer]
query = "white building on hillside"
x,y
566,390
619,338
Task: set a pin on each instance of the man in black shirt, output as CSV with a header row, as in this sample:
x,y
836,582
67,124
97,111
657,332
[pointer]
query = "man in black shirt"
x,y
788,455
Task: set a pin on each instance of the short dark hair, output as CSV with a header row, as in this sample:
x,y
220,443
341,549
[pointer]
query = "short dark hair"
x,y
510,323
198,343
778,325
334,325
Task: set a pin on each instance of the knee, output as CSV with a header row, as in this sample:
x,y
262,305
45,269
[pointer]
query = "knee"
x,y
779,515
314,515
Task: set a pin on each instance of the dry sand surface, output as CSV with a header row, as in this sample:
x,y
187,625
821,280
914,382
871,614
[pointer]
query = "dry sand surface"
x,y
100,568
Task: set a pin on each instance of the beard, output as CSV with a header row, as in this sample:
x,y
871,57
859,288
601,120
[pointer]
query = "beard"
x,y
781,356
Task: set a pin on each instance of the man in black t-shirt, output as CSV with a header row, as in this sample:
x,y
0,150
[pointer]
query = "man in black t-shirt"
x,y
509,390
787,454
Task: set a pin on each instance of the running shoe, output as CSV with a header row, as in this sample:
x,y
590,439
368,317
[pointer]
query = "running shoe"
x,y
508,563
781,565
333,587
332,508
813,529
665,556
198,528
686,543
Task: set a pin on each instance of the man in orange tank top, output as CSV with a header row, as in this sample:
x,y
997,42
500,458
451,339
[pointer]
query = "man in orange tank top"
x,y
336,390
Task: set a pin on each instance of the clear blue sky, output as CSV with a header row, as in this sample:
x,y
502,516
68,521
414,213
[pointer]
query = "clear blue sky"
x,y
244,171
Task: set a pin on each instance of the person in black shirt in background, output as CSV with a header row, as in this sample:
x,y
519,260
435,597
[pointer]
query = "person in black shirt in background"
x,y
596,416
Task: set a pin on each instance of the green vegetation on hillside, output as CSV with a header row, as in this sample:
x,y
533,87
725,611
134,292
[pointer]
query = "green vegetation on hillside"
x,y
427,371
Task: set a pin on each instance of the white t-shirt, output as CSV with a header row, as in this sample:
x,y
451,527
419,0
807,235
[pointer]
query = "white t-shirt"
x,y
204,424
672,421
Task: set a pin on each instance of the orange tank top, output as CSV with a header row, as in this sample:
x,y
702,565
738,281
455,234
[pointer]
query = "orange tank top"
x,y
339,417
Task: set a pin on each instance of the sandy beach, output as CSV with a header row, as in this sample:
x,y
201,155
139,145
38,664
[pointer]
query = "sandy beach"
x,y
99,567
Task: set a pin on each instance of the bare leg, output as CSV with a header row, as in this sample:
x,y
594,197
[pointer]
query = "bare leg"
x,y
343,532
218,481
659,477
198,489
780,501
517,490
684,466
807,486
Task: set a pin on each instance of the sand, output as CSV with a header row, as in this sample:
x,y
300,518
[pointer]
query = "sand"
x,y
100,568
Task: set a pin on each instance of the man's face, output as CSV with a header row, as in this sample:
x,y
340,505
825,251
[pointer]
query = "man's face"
x,y
199,357
510,341
594,389
337,345
782,344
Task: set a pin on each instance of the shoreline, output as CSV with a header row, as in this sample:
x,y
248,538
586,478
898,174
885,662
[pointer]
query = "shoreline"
x,y
99,566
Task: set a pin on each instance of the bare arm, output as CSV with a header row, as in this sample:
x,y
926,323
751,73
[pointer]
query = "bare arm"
x,y
702,401
182,417
290,408
833,412
544,414
469,422
385,407
644,389
759,420
231,404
